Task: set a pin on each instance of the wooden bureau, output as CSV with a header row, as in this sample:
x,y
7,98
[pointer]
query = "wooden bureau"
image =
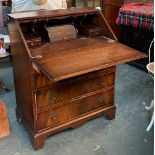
x,y
63,84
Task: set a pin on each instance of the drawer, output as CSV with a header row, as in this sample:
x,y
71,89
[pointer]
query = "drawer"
x,y
73,110
90,30
94,33
73,89
40,81
34,43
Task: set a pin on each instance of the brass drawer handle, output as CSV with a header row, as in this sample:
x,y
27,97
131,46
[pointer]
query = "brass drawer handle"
x,y
53,116
53,96
32,44
100,99
78,101
101,83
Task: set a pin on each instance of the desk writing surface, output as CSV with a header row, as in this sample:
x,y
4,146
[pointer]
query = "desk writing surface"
x,y
59,64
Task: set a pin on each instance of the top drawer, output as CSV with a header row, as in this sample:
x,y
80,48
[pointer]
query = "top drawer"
x,y
40,81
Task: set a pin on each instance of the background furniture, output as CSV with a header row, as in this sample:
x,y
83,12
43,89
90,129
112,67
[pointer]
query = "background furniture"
x,y
137,23
66,83
110,9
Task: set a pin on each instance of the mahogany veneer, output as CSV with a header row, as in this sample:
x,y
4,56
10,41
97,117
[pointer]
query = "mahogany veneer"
x,y
62,85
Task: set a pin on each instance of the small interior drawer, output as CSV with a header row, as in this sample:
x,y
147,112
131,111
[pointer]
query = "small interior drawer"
x,y
33,43
73,89
72,110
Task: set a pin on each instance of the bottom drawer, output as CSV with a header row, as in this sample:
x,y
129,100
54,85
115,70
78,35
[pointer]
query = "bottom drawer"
x,y
72,110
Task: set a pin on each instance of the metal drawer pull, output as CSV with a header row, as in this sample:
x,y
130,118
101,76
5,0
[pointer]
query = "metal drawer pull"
x,y
101,83
53,116
78,101
53,96
100,99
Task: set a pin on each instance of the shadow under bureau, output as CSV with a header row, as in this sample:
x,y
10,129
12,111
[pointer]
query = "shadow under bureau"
x,y
64,64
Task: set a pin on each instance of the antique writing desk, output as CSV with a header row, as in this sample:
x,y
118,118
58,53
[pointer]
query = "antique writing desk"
x,y
63,84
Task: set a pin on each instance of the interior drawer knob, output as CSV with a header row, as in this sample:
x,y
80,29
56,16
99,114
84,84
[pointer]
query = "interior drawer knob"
x,y
53,96
100,99
53,116
101,83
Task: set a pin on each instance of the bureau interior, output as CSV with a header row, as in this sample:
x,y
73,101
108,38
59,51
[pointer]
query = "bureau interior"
x,y
86,25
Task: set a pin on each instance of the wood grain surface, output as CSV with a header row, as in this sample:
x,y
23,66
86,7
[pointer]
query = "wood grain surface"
x,y
66,64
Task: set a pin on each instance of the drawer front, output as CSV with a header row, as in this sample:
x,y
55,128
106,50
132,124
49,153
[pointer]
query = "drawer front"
x,y
95,33
72,110
34,44
41,81
73,90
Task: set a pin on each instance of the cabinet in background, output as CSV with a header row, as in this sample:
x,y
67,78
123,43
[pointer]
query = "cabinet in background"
x,y
110,9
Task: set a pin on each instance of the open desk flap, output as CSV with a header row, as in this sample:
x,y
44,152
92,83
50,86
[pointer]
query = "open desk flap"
x,y
69,63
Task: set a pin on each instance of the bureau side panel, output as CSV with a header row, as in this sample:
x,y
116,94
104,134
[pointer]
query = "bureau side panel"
x,y
22,74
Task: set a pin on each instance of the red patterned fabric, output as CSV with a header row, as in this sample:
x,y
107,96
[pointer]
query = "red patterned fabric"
x,y
137,15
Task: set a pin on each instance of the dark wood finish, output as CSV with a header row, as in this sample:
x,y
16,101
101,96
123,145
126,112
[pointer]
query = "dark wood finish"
x,y
62,33
64,84
72,110
86,3
113,2
50,63
90,31
33,41
41,81
110,9
22,71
